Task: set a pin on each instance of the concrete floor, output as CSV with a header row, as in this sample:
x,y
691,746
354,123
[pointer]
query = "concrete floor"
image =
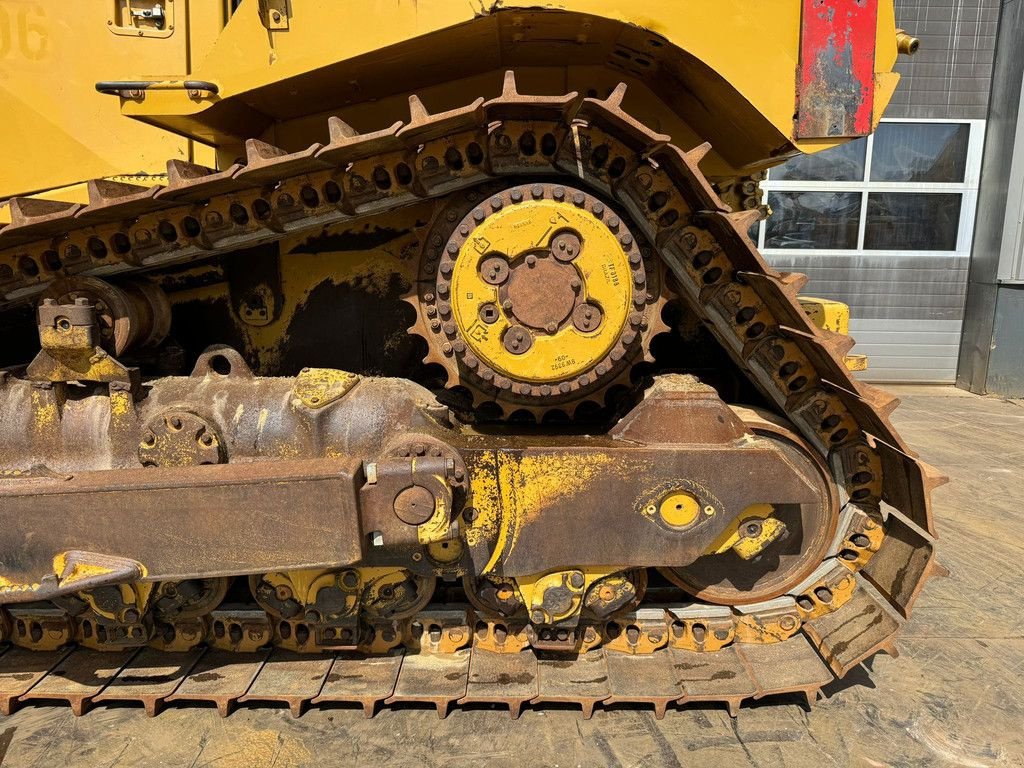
x,y
954,697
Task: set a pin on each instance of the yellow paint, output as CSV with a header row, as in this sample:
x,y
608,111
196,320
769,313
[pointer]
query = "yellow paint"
x,y
483,498
827,314
528,484
833,316
754,48
748,547
523,229
839,590
64,131
730,536
531,588
856,362
69,574
8,586
121,404
45,413
438,527
769,627
327,46
679,509
318,387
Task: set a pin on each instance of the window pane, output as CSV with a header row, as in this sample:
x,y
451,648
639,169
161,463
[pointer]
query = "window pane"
x,y
920,152
842,163
813,220
912,221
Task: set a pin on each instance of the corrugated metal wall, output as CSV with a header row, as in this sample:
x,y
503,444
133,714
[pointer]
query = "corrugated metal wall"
x,y
908,308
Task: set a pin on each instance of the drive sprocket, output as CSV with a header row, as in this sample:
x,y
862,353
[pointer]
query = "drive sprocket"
x,y
536,297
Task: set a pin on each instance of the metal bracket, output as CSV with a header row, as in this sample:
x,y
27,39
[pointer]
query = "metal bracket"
x,y
142,18
274,14
70,350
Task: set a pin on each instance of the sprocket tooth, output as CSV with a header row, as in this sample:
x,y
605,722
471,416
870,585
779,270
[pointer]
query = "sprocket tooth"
x,y
685,175
509,89
882,401
933,477
617,96
265,162
188,182
346,145
793,282
837,343
257,151
417,110
106,191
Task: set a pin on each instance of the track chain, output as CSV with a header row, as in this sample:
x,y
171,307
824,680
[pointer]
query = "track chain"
x,y
751,309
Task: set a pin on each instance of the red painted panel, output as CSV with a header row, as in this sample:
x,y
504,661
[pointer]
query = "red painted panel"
x,y
835,82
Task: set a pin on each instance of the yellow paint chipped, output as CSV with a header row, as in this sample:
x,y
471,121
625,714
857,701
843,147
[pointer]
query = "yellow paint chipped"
x,y
44,411
317,387
6,585
529,484
69,574
121,404
730,536
437,528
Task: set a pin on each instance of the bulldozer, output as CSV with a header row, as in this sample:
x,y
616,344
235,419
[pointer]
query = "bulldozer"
x,y
418,351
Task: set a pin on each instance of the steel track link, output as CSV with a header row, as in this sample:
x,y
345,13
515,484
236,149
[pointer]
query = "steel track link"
x,y
670,677
750,308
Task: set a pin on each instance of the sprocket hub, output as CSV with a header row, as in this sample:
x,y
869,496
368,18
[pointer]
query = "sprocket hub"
x,y
538,297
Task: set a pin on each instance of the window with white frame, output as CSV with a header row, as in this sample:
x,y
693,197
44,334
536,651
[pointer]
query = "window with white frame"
x,y
911,186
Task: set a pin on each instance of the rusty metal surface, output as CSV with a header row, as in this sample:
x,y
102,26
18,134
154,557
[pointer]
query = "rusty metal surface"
x,y
750,310
150,677
79,677
294,679
950,699
220,677
438,679
502,678
21,669
359,679
85,511
845,638
835,79
582,680
469,677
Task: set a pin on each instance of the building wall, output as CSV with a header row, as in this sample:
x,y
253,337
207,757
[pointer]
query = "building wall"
x,y
907,304
949,76
992,345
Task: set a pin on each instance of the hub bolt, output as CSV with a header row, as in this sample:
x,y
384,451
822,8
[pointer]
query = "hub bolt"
x,y
586,318
494,270
518,340
566,246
